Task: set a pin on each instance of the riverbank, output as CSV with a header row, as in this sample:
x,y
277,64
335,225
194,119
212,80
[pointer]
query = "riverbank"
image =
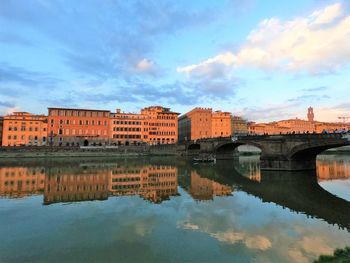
x,y
96,151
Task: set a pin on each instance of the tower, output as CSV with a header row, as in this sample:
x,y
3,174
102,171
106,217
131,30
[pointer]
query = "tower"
x,y
310,114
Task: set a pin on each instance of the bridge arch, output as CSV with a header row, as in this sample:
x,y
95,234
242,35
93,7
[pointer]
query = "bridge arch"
x,y
226,150
307,151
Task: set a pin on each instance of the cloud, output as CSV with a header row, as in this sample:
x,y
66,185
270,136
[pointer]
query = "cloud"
x,y
316,89
316,44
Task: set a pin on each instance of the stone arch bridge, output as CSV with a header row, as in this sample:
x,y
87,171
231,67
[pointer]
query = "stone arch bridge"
x,y
278,152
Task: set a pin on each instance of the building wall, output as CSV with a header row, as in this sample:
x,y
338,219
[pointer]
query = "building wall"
x,y
128,128
1,128
78,126
23,128
162,125
184,128
239,126
202,123
221,124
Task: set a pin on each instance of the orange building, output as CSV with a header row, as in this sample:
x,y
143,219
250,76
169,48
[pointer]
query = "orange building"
x,y
162,125
154,125
128,128
70,127
204,123
23,129
1,128
17,182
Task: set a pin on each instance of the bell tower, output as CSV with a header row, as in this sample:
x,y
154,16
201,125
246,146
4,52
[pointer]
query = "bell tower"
x,y
310,114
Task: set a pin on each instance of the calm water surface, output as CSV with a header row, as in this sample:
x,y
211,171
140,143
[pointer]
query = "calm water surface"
x,y
165,210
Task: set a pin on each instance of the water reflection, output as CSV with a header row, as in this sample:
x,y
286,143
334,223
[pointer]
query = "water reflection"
x,y
157,182
157,207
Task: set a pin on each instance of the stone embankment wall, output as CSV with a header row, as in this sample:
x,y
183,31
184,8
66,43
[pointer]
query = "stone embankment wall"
x,y
88,151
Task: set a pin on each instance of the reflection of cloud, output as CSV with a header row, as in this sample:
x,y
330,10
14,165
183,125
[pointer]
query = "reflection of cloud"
x,y
251,241
190,226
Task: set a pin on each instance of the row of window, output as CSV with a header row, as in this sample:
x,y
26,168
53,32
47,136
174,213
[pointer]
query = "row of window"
x,y
78,113
79,132
80,122
167,117
163,124
23,137
127,136
129,122
127,129
23,128
162,133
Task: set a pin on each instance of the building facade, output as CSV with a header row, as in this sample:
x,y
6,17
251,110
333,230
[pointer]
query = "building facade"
x,y
128,128
78,127
239,126
202,123
161,124
24,129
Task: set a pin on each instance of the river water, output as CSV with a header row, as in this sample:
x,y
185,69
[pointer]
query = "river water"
x,y
166,210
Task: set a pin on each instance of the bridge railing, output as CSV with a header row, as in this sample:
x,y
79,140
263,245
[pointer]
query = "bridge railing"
x,y
265,136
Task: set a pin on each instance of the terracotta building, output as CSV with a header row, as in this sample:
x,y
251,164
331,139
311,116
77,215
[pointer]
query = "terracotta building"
x,y
1,128
204,123
239,126
221,124
23,129
162,125
154,125
128,128
70,127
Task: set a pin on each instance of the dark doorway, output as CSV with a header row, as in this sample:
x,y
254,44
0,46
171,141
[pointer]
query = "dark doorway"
x,y
86,143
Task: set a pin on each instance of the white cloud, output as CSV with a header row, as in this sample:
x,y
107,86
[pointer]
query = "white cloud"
x,y
318,43
145,65
327,15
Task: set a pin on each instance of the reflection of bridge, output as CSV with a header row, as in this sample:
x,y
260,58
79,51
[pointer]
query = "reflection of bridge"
x,y
298,191
278,152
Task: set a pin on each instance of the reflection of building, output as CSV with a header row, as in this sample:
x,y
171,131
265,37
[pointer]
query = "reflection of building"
x,y
330,170
153,183
204,123
21,181
23,128
78,126
206,189
67,185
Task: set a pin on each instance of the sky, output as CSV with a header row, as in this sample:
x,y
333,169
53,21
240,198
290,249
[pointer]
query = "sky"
x,y
263,60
